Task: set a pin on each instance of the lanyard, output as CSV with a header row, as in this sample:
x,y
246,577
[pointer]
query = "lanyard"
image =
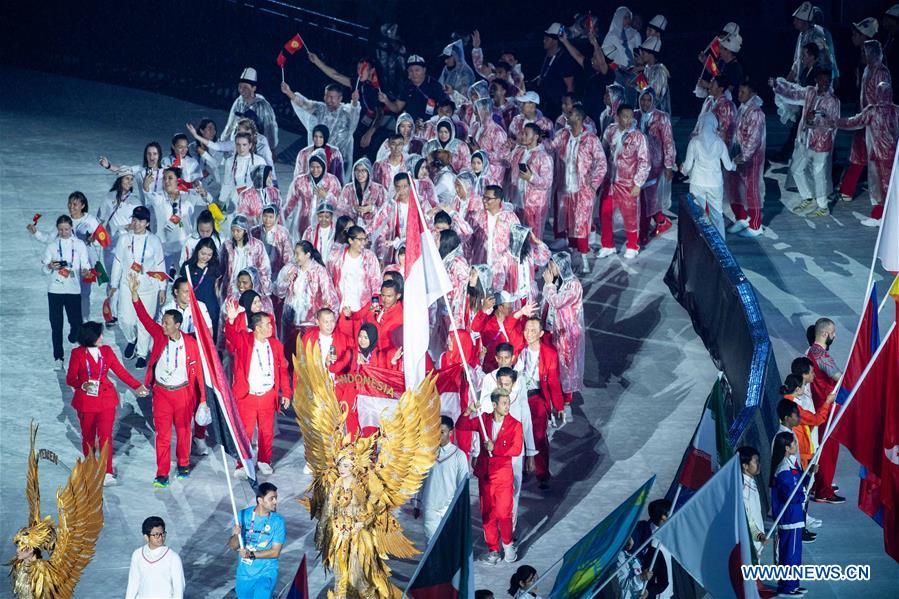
x,y
262,368
167,356
252,530
61,257
143,252
118,204
202,276
246,171
87,364
176,205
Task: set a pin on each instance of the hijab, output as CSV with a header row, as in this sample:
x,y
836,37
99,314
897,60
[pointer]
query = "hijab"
x,y
372,332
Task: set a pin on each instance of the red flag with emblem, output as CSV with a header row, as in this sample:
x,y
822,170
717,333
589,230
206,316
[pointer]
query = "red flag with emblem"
x,y
294,44
101,236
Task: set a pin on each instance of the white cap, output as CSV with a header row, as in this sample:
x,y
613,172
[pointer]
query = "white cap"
x,y
653,44
731,28
732,42
528,97
249,76
416,60
893,11
805,11
505,297
448,51
554,29
868,27
659,22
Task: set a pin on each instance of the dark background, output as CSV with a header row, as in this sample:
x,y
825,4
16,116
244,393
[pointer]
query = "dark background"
x,y
196,49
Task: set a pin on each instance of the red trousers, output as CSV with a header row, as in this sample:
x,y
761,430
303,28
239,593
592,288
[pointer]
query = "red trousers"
x,y
96,431
579,243
627,205
495,491
850,179
827,465
754,214
260,410
172,408
539,422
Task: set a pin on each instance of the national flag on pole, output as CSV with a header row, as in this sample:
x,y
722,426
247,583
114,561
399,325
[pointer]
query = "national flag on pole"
x,y
226,426
642,82
894,289
709,536
101,236
869,428
160,276
888,248
299,588
588,562
100,272
281,60
107,311
588,24
710,446
294,44
446,569
867,340
426,282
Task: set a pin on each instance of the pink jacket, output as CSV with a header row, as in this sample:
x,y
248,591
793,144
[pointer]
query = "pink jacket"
x,y
629,154
382,173
662,153
371,268
536,191
334,159
278,245
492,139
508,267
565,316
307,299
725,111
374,195
458,269
256,256
251,203
820,136
303,201
519,121
881,123
480,235
590,162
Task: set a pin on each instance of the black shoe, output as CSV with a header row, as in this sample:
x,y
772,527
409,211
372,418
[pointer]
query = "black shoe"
x,y
129,351
802,589
161,482
141,363
834,499
183,472
111,324
543,485
835,488
808,537
73,338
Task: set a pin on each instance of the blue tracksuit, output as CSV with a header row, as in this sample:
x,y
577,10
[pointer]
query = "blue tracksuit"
x,y
791,525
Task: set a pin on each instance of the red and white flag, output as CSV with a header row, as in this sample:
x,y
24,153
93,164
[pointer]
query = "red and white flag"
x,y
426,282
709,536
888,248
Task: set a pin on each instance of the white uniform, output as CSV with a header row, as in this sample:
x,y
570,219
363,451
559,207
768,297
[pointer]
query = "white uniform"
x,y
520,411
155,574
173,220
144,251
188,325
706,154
237,174
440,486
82,228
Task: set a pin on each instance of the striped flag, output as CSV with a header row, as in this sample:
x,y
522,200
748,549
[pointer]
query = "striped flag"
x,y
226,426
426,282
888,247
710,446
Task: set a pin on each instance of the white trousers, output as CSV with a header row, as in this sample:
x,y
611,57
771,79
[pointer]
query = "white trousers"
x,y
710,200
432,520
130,326
811,171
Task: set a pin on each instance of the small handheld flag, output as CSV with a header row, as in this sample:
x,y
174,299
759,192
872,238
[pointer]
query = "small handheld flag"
x,y
159,276
294,44
281,60
37,216
101,236
107,311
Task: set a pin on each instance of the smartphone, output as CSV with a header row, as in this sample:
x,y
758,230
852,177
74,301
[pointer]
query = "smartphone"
x,y
63,264
522,167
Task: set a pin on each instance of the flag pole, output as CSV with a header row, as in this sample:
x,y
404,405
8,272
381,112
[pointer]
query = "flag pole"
x,y
231,492
827,435
449,311
282,74
544,575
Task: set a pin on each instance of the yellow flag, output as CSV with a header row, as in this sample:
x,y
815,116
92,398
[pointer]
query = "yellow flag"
x,y
894,289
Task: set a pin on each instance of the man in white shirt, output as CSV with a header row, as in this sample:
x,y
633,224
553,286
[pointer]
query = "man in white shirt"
x,y
749,463
505,377
138,252
181,302
444,478
156,571
252,106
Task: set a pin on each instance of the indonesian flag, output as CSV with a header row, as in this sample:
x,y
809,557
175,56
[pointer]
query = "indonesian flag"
x,y
888,248
101,236
426,282
709,536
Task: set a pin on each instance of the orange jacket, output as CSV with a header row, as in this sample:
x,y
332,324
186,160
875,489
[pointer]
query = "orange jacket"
x,y
803,432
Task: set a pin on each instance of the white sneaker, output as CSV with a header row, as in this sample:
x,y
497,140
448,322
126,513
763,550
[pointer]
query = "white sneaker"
x,y
813,522
868,222
200,447
306,468
606,252
569,415
240,473
58,365
492,558
593,240
510,554
738,226
845,198
751,232
631,253
264,468
109,480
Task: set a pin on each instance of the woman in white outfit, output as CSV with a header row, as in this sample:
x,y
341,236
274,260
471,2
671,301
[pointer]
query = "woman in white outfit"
x,y
706,154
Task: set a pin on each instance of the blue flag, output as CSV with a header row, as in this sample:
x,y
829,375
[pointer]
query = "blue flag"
x,y
590,559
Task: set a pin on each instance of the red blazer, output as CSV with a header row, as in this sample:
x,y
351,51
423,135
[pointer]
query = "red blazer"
x,y
240,321
342,349
390,328
488,326
77,375
242,341
508,444
375,358
548,371
195,382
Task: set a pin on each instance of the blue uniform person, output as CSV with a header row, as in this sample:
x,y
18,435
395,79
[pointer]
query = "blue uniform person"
x,y
261,530
785,475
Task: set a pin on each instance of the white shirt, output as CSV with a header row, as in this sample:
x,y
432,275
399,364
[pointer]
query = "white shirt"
x,y
528,365
325,240
664,554
324,346
116,216
518,409
753,506
155,574
352,278
144,249
704,167
491,231
450,469
165,209
571,182
187,323
261,376
73,251
171,368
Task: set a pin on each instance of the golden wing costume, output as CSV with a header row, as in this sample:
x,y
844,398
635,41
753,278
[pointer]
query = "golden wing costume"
x,y
61,552
356,530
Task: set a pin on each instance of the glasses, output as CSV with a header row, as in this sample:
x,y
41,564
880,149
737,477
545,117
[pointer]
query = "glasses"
x,y
359,238
156,535
488,198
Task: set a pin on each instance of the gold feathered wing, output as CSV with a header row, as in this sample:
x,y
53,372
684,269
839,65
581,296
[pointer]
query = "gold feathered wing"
x,y
80,507
407,450
321,422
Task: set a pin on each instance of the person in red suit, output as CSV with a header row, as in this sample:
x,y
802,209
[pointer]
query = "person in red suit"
x,y
387,316
538,368
95,398
259,377
497,324
336,348
175,376
503,441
